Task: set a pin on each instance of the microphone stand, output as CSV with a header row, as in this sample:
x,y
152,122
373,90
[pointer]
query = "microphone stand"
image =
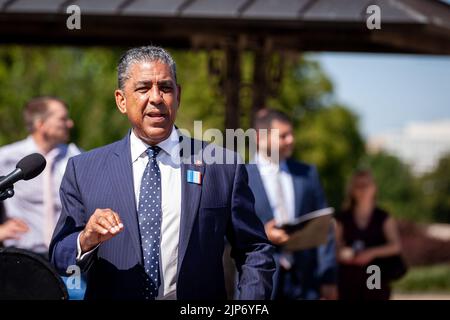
x,y
7,193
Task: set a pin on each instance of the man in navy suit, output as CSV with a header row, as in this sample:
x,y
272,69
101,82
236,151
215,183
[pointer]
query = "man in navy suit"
x,y
285,189
145,217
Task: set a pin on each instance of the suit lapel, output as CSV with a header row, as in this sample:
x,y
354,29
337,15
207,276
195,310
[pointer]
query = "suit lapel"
x,y
298,187
298,194
190,201
267,213
123,190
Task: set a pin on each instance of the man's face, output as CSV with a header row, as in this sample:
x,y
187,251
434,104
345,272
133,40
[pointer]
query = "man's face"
x,y
57,124
150,99
285,138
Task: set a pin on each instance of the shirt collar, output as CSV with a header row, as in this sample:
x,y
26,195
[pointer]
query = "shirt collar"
x,y
170,145
52,154
268,166
31,144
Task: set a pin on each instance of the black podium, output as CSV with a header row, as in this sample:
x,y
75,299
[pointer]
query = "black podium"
x,y
25,275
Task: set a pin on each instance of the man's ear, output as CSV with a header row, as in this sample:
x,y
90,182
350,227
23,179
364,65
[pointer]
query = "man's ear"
x,y
121,101
38,124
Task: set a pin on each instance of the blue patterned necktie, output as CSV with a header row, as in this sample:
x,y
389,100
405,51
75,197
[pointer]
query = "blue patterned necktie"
x,y
150,215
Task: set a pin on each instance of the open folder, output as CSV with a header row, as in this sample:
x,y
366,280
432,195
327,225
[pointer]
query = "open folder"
x,y
308,231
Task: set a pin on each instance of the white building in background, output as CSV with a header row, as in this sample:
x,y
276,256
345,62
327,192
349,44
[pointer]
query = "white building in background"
x,y
419,144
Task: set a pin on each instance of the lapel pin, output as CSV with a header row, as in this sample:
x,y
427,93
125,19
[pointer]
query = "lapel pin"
x,y
194,177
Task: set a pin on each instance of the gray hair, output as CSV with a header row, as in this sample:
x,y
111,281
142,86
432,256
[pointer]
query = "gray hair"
x,y
140,54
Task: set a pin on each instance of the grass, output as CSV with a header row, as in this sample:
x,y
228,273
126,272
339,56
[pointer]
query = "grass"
x,y
434,279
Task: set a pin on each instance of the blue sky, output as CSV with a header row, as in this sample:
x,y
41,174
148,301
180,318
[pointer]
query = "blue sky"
x,y
389,91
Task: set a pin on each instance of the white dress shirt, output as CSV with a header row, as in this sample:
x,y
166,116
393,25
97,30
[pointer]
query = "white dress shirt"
x,y
269,171
28,202
169,165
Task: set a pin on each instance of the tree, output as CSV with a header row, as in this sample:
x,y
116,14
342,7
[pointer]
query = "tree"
x,y
327,134
200,97
84,77
330,139
304,88
399,191
436,186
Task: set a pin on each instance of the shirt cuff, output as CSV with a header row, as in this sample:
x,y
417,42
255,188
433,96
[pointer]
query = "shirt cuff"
x,y
80,256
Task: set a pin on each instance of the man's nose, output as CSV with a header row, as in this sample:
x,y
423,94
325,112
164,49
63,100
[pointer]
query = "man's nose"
x,y
290,139
155,96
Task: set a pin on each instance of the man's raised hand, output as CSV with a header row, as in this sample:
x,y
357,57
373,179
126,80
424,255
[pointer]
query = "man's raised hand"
x,y
103,225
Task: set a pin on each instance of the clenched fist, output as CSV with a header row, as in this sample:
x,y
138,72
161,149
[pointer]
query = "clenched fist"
x,y
102,225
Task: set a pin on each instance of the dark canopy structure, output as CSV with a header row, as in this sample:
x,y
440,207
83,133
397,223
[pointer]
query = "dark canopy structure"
x,y
262,26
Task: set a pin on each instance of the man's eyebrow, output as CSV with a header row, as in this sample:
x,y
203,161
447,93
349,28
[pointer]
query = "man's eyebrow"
x,y
149,83
167,82
143,83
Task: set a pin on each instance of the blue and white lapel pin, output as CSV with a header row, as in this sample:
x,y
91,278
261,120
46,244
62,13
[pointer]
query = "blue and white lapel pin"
x,y
194,177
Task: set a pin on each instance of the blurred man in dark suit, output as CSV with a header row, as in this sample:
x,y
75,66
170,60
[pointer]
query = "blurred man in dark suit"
x,y
286,189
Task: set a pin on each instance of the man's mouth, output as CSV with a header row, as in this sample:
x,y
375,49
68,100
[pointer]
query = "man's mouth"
x,y
156,116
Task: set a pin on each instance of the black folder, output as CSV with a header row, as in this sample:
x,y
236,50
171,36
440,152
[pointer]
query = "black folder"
x,y
308,231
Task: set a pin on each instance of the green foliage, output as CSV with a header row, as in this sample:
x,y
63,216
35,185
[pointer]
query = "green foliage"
x,y
84,77
436,186
304,88
399,191
330,139
425,279
327,134
200,97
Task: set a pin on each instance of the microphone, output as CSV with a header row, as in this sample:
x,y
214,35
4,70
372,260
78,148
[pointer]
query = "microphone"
x,y
26,169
